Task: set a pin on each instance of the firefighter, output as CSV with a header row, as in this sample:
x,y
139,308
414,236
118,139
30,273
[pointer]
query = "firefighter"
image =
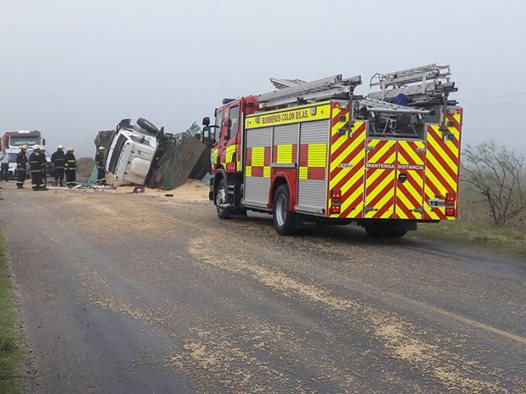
x,y
35,165
99,160
57,158
43,167
4,173
21,164
70,167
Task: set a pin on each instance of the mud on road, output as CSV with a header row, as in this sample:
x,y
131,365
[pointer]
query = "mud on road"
x,y
126,292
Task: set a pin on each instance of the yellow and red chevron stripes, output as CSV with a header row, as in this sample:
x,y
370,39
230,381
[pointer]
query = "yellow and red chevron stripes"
x,y
410,180
442,165
347,163
380,176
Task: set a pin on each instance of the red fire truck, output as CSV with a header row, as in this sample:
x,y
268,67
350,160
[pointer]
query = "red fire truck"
x,y
314,153
11,142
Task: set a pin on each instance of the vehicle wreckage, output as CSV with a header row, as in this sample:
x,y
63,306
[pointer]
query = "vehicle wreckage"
x,y
143,154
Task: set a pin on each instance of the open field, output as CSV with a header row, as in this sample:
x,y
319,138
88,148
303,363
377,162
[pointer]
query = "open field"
x,y
475,228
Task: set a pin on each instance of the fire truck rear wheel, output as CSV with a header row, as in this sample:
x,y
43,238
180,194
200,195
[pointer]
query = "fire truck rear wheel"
x,y
284,220
221,198
377,230
397,233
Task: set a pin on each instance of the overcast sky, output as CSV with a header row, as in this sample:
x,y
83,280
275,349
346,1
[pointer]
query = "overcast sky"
x,y
72,67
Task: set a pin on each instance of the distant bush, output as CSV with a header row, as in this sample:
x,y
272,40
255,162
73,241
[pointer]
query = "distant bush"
x,y
497,173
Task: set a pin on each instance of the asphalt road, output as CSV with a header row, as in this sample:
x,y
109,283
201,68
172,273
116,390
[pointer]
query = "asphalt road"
x,y
126,293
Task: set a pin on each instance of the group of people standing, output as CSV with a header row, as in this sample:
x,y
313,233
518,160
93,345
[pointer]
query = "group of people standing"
x,y
63,164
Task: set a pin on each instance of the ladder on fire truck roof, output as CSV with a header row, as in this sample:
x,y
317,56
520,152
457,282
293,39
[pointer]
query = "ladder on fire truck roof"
x,y
429,84
296,91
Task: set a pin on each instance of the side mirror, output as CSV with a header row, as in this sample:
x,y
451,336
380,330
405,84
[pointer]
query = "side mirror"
x,y
207,136
44,141
206,121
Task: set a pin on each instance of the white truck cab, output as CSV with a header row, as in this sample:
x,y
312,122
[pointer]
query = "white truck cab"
x,y
131,153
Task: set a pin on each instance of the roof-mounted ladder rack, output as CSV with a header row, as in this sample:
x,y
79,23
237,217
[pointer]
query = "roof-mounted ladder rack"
x,y
422,85
297,91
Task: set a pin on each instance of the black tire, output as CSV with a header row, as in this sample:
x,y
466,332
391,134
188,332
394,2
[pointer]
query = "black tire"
x,y
221,197
284,220
377,230
148,126
397,233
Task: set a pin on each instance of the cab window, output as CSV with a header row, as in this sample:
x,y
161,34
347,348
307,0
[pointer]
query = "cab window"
x,y
233,115
219,121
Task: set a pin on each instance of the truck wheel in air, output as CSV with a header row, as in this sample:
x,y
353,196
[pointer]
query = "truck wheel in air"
x,y
221,200
284,220
147,125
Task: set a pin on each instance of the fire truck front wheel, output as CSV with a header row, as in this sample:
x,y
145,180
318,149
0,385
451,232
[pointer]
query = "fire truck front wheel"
x,y
284,220
221,200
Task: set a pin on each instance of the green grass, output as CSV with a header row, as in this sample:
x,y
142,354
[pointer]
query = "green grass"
x,y
475,227
12,355
506,240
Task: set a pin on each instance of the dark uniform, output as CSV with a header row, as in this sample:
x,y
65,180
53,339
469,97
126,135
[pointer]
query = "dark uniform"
x,y
70,167
101,173
43,167
4,171
58,161
35,165
21,164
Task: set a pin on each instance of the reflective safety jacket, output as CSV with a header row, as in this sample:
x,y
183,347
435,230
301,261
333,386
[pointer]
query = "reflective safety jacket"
x,y
99,159
70,161
21,161
35,163
58,159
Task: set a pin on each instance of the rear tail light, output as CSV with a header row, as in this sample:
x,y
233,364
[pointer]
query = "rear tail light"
x,y
335,209
336,193
450,199
450,211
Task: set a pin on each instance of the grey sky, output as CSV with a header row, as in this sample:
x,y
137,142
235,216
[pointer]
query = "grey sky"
x,y
71,68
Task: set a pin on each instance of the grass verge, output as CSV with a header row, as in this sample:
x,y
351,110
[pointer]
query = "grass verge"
x,y
505,240
12,355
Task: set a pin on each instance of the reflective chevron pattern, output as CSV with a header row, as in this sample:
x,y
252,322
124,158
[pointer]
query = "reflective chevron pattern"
x,y
442,166
347,163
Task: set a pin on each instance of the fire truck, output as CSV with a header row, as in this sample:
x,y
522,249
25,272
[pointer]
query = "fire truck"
x,y
314,153
11,142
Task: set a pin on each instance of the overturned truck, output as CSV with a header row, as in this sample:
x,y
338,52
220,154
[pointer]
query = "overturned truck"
x,y
142,154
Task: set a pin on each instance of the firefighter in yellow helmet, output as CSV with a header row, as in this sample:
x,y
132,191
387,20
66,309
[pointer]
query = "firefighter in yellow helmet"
x,y
70,167
99,160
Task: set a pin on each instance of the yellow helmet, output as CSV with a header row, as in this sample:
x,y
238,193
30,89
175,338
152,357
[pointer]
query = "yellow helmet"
x,y
23,147
101,147
70,149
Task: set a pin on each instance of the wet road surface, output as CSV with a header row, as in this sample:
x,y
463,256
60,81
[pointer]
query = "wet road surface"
x,y
135,293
